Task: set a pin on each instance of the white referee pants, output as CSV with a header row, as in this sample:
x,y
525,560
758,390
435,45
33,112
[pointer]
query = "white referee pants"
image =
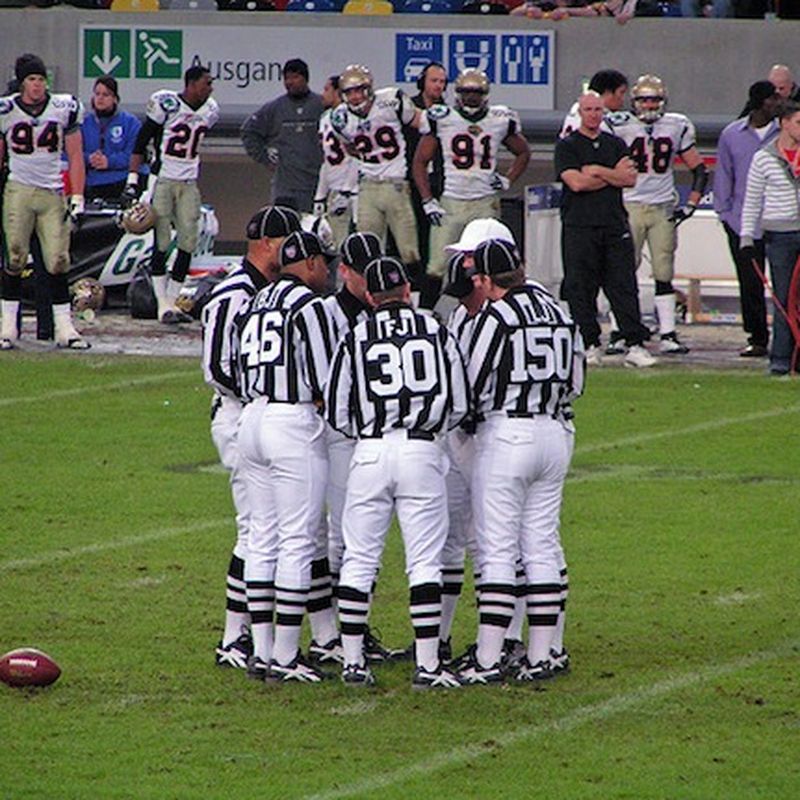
x,y
224,432
388,474
460,449
517,488
340,452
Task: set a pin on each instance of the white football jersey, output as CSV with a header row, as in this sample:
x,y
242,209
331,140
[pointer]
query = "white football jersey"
x,y
378,137
339,171
653,147
34,143
469,148
573,121
183,128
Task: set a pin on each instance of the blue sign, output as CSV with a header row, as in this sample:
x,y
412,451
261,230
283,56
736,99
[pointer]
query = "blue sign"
x,y
413,52
470,51
524,60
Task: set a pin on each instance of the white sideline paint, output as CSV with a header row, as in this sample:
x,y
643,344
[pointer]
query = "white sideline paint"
x,y
98,387
113,544
528,733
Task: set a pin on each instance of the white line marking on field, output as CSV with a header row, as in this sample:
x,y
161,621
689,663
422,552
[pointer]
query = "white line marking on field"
x,y
737,598
353,709
113,544
97,387
144,582
700,427
576,718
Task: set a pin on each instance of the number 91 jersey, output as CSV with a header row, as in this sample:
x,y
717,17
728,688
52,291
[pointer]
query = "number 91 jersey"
x,y
34,143
182,131
469,148
653,148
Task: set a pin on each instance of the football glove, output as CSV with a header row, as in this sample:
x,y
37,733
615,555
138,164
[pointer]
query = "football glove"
x,y
319,208
75,209
681,214
434,211
273,155
130,194
500,183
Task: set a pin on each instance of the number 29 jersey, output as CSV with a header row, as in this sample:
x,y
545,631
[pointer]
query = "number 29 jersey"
x,y
469,148
35,142
182,131
653,148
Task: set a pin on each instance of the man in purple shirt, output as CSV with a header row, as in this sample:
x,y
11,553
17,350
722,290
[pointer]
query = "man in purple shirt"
x,y
735,150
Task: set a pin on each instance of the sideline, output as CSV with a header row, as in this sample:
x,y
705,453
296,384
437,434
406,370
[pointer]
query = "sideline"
x,y
528,733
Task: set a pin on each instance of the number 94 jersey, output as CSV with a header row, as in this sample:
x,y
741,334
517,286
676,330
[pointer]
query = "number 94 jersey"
x,y
34,143
653,148
182,131
469,148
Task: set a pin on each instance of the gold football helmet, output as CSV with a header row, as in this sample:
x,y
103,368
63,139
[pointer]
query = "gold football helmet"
x,y
139,218
357,76
87,293
472,86
651,88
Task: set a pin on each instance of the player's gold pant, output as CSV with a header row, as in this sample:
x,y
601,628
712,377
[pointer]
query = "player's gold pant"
x,y
459,214
176,203
383,204
651,224
28,208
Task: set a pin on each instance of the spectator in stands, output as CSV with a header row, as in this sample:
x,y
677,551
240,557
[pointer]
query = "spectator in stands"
x,y
771,203
108,138
737,145
706,8
283,134
621,10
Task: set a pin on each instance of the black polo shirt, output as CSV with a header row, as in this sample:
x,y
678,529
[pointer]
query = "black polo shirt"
x,y
601,208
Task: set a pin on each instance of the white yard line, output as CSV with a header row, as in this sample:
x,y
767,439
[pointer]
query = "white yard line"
x,y
113,544
97,387
529,733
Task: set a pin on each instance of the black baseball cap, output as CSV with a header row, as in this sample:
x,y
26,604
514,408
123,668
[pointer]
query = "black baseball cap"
x,y
494,257
272,222
358,249
29,64
300,245
385,273
459,277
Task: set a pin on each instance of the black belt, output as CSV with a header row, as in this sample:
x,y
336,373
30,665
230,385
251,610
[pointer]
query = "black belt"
x,y
425,436
521,414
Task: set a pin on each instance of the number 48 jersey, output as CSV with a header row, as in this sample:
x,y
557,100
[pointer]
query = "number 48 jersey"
x,y
182,131
653,148
35,142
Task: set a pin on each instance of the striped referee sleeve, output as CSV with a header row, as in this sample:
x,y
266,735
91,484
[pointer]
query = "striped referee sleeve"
x,y
459,384
339,387
484,355
313,323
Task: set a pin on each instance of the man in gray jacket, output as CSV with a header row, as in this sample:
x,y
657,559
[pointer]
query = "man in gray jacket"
x,y
283,134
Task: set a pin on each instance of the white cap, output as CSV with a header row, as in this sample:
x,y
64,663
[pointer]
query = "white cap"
x,y
480,230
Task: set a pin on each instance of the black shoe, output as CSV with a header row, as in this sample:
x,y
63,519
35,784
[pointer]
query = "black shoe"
x,y
754,351
376,653
257,668
330,653
532,673
439,678
236,654
445,651
298,670
358,676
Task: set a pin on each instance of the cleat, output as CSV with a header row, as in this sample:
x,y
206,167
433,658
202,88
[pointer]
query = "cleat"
x,y
257,668
671,345
754,351
356,675
594,356
462,660
330,653
440,678
616,345
638,356
513,653
296,671
376,653
169,317
7,343
445,651
540,671
559,662
473,674
73,342
236,654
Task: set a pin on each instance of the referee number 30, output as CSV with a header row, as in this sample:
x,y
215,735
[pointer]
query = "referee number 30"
x,y
540,354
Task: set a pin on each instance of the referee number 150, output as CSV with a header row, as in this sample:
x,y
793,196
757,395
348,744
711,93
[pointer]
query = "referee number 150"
x,y
540,354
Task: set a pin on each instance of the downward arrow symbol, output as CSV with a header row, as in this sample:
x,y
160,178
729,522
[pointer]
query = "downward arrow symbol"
x,y
106,64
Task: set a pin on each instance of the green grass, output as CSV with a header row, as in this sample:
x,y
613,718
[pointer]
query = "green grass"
x,y
680,525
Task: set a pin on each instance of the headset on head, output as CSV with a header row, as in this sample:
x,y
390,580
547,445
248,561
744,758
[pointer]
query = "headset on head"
x,y
424,74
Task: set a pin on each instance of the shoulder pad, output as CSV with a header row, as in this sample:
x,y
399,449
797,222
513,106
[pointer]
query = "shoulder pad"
x,y
500,111
439,111
168,101
6,104
339,117
618,117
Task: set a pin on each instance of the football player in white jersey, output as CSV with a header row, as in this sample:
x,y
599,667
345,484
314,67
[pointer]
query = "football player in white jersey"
x,y
36,127
370,122
611,85
177,122
337,185
655,138
469,135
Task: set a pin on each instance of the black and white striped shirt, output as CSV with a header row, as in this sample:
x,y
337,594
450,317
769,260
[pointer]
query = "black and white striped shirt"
x,y
345,311
228,298
526,356
285,344
461,325
398,369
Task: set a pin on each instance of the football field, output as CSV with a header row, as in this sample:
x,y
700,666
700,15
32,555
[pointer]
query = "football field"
x,y
681,526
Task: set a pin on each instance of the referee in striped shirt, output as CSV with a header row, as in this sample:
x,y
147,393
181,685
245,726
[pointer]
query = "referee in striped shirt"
x,y
397,382
526,366
265,233
285,347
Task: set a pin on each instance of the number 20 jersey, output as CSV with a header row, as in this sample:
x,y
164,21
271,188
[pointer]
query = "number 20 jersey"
x,y
469,148
182,131
653,147
34,143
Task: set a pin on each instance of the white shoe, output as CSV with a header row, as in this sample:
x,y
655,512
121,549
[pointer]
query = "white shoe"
x,y
671,344
638,356
70,339
594,356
